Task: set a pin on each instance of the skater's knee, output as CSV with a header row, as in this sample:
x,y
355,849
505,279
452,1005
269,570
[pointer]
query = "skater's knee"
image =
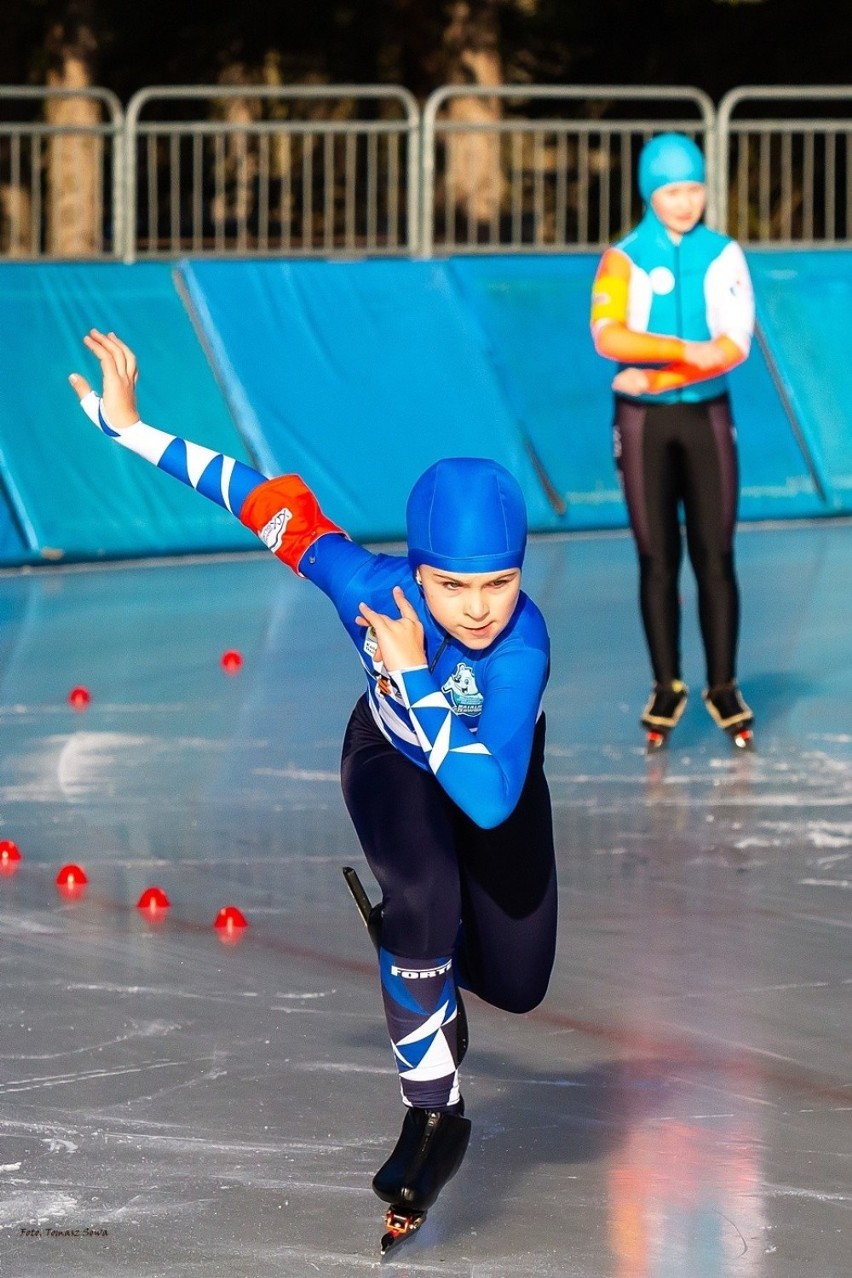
x,y
712,563
522,1005
418,923
660,569
521,999
519,1006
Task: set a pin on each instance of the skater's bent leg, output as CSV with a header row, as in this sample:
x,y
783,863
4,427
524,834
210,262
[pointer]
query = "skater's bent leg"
x,y
404,823
420,1009
509,908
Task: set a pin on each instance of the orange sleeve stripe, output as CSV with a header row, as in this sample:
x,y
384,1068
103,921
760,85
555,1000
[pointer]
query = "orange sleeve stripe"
x,y
734,354
680,374
616,341
611,288
287,518
610,301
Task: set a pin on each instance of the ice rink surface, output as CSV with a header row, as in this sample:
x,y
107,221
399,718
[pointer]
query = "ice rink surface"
x,y
680,1106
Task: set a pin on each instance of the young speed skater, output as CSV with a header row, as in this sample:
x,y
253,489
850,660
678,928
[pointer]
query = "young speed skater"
x,y
673,303
442,764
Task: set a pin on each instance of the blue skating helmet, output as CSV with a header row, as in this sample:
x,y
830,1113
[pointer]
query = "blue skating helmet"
x,y
669,157
466,514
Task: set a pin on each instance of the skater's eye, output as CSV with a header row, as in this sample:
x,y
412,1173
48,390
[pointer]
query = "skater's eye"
x,y
500,583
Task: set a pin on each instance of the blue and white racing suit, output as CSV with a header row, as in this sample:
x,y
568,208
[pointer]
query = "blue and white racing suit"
x,y
442,772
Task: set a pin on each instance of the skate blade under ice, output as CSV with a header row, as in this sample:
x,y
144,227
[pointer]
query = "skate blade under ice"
x,y
400,1224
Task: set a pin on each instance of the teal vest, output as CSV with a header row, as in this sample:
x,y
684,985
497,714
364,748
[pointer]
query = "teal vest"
x,y
679,302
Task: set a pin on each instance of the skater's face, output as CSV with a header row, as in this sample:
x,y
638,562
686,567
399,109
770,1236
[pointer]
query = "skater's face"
x,y
679,205
473,607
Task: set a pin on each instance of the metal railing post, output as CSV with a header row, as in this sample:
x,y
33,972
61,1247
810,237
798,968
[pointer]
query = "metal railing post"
x,y
561,126
36,132
407,127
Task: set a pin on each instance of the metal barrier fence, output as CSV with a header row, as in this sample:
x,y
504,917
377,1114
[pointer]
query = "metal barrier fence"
x,y
785,179
61,173
293,171
546,168
359,170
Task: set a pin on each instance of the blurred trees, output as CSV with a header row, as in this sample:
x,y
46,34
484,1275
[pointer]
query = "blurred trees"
x,y
713,44
73,162
421,44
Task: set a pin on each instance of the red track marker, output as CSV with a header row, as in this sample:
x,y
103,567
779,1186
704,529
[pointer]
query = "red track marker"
x,y
230,924
10,857
231,661
153,901
79,698
71,881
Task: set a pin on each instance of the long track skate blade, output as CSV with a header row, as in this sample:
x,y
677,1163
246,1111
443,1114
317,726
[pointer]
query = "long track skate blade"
x,y
400,1225
359,896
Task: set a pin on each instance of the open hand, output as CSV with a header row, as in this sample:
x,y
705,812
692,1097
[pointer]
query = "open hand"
x,y
119,373
703,355
632,381
401,639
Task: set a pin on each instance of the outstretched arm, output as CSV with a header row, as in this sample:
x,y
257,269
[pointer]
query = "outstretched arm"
x,y
283,512
223,479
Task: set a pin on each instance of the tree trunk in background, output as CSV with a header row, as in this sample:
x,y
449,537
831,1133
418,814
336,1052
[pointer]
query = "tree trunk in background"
x,y
473,174
75,160
16,228
237,165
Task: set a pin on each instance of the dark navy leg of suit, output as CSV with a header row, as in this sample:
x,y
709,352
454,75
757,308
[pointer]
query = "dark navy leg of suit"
x,y
436,868
451,891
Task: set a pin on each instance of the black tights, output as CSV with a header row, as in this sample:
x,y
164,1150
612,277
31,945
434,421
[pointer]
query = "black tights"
x,y
674,456
448,885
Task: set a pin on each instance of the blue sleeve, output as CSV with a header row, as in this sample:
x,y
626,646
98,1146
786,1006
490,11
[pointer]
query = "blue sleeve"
x,y
331,563
222,479
482,772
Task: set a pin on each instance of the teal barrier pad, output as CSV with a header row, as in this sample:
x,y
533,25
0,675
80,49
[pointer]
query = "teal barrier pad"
x,y
804,305
75,494
358,376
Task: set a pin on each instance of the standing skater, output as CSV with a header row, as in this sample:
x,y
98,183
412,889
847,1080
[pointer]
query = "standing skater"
x,y
673,303
442,761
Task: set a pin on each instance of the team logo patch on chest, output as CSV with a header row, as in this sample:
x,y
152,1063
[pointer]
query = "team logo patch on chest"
x,y
462,690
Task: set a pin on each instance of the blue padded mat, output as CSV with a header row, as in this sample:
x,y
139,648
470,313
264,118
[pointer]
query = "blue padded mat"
x,y
76,495
357,375
805,301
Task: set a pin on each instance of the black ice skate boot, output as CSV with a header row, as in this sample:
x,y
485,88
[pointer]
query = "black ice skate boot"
x,y
429,1152
372,916
726,708
665,706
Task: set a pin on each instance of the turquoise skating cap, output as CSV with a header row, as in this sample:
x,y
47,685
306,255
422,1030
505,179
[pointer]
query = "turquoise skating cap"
x,y
667,158
466,514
